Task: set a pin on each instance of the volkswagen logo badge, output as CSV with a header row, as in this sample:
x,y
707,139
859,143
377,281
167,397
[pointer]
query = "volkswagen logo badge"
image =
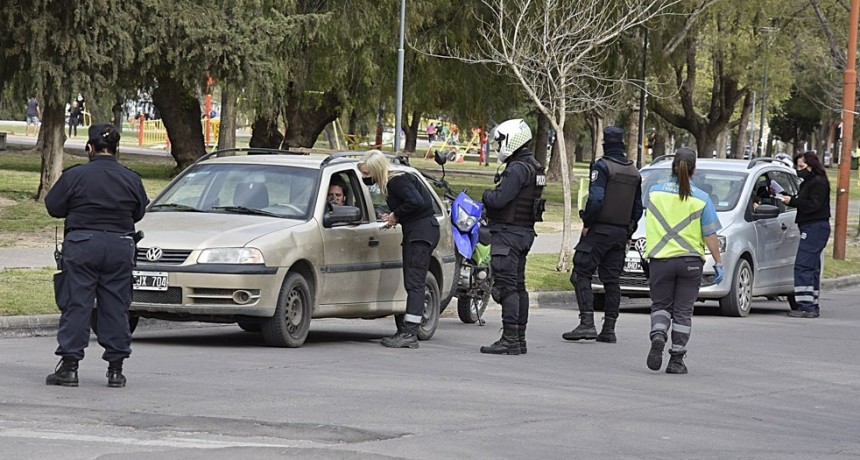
x,y
153,254
639,245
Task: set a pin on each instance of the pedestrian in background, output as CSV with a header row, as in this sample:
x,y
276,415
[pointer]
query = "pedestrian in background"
x,y
680,221
411,206
34,115
100,201
513,207
609,219
74,118
813,219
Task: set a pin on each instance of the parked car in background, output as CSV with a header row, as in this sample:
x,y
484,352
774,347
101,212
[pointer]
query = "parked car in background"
x,y
248,236
758,241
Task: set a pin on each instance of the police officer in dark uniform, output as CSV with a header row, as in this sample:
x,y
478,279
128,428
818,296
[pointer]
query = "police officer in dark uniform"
x,y
609,219
513,207
101,201
411,206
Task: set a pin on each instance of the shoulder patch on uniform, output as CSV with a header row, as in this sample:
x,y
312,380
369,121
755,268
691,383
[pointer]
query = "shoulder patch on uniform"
x,y
594,174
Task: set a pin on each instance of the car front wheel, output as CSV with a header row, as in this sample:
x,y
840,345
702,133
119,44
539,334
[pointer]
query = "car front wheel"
x,y
739,300
430,318
292,321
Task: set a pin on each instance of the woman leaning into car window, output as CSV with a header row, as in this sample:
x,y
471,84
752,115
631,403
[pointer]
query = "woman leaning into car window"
x,y
813,218
411,206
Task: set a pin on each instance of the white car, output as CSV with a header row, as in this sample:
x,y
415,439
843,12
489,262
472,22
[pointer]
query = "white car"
x,y
248,236
758,241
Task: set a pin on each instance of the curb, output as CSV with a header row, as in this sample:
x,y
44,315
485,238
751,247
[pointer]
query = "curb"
x,y
46,325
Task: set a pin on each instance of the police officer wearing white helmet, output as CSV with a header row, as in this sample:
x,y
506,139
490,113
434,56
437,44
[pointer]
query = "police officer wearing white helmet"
x,y
513,207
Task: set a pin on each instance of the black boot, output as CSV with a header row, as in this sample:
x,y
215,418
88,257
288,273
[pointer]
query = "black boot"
x,y
676,363
585,330
405,337
655,355
114,375
607,334
509,344
65,374
521,334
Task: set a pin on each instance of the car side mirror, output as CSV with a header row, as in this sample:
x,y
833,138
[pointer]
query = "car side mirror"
x,y
765,211
440,157
342,215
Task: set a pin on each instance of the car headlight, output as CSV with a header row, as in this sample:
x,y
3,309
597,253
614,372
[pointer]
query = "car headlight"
x,y
231,256
464,220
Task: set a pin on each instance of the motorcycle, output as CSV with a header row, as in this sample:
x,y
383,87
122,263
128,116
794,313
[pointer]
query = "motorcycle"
x,y
473,277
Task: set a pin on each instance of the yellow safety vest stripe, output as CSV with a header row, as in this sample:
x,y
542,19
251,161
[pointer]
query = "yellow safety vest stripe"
x,y
673,227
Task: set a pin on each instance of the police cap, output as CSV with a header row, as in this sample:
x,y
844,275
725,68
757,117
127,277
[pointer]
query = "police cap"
x,y
686,155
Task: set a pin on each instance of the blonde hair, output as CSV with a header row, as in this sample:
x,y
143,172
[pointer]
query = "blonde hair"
x,y
377,166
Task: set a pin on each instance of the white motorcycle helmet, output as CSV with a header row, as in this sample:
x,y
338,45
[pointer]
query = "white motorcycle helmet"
x,y
510,135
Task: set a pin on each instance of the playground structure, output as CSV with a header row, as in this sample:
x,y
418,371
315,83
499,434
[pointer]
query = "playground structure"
x,y
455,150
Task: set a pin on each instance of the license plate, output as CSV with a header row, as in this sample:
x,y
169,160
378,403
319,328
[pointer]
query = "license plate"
x,y
150,281
632,265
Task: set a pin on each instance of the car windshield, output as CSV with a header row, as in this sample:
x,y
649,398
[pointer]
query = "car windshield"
x,y
278,191
724,187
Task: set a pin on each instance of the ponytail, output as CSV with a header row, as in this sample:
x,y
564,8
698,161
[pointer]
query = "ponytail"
x,y
683,173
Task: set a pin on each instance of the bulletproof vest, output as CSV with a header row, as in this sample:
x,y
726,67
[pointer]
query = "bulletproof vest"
x,y
620,193
528,206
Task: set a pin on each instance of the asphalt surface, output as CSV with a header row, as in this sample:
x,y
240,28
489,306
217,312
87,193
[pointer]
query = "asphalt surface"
x,y
762,387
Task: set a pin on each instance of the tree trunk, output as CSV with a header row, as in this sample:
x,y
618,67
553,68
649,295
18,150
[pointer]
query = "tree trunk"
x,y
180,112
227,127
659,146
265,134
331,137
305,118
596,137
380,126
564,255
117,114
541,138
52,136
632,137
740,138
411,129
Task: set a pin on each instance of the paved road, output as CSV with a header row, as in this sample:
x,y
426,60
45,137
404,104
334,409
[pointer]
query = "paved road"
x,y
763,387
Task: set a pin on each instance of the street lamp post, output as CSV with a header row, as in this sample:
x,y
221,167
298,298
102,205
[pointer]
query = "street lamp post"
x,y
398,111
767,31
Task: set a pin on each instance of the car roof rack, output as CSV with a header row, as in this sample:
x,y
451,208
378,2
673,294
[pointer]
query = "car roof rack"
x,y
756,160
248,151
666,157
397,159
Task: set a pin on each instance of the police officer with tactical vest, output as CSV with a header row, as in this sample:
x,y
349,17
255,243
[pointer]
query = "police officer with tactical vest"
x,y
513,207
101,201
609,219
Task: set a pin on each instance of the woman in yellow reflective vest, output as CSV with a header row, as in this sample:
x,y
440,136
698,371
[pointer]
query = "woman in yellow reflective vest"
x,y
680,221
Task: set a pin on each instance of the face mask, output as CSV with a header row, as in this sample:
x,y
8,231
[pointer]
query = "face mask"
x,y
804,174
368,181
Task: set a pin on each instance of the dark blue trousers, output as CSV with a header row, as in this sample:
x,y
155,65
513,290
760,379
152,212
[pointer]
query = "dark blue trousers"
x,y
509,250
97,266
807,264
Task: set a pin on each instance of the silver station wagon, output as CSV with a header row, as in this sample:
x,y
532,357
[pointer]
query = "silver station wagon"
x,y
758,241
248,236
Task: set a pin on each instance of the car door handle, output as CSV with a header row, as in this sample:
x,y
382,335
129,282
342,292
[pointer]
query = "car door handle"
x,y
373,242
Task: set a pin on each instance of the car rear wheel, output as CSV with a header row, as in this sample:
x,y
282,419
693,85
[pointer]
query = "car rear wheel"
x,y
739,300
430,318
292,320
